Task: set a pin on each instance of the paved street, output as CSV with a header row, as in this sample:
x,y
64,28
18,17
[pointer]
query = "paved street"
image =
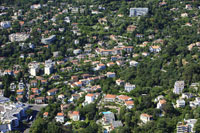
x,y
36,108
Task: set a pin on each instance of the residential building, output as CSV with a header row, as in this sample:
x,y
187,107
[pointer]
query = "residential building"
x,y
110,74
5,24
129,87
11,114
60,117
133,63
134,12
75,115
123,98
48,69
116,124
18,37
48,40
129,104
52,92
178,87
187,126
39,100
145,118
155,49
161,104
45,114
180,103
34,69
119,82
110,98
108,118
89,98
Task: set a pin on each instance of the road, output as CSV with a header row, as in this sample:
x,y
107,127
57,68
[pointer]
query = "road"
x,y
36,108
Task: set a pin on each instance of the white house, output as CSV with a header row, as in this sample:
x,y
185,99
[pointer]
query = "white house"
x,y
187,126
75,115
145,118
178,87
129,104
60,117
89,98
129,87
180,103
34,70
161,104
155,49
6,24
110,74
48,69
133,63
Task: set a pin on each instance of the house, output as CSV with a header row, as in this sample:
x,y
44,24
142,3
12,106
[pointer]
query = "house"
x,y
119,82
33,83
48,40
119,62
101,67
74,78
116,124
187,126
180,103
159,98
109,64
61,96
161,104
178,87
145,118
123,98
89,98
52,92
110,74
129,87
20,92
19,97
45,114
187,95
60,117
74,97
155,49
133,63
5,24
77,51
131,28
21,85
134,12
39,100
78,84
35,91
129,104
108,118
75,115
110,98
195,103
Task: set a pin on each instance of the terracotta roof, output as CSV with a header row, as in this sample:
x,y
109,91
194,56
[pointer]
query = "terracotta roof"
x,y
110,96
129,103
146,115
53,90
90,95
46,113
60,114
162,101
39,98
75,112
124,97
20,90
